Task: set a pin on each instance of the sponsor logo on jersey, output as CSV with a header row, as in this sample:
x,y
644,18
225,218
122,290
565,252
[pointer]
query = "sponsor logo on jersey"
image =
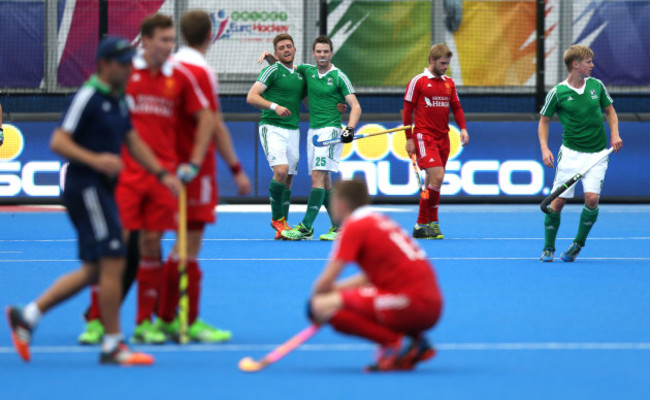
x,y
593,94
330,81
106,106
570,98
437,102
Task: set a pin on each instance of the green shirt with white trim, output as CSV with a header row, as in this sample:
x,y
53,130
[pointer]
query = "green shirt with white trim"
x,y
285,87
325,92
580,113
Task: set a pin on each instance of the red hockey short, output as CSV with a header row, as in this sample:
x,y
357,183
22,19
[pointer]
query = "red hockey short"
x,y
402,312
431,152
145,203
202,193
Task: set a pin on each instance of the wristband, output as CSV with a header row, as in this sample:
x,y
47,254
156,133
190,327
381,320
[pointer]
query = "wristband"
x,y
273,106
161,174
235,169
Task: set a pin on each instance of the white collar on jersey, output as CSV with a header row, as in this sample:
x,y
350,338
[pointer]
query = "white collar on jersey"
x,y
332,68
191,56
432,76
290,70
578,91
140,63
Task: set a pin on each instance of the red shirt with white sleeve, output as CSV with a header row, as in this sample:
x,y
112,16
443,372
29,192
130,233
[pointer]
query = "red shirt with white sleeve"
x,y
431,97
154,100
390,259
193,63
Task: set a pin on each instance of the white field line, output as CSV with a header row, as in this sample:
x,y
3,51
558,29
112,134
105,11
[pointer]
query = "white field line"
x,y
507,346
325,259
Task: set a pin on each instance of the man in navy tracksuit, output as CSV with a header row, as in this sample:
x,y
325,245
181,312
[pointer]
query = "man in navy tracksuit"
x,y
90,135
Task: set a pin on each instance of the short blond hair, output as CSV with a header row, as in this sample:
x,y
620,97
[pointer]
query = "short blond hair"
x,y
438,51
577,52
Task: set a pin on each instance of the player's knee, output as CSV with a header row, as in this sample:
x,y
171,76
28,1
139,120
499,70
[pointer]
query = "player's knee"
x,y
324,306
591,201
150,244
318,179
280,173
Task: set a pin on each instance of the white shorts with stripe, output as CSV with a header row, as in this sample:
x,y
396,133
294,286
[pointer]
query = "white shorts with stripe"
x,y
281,146
324,158
570,162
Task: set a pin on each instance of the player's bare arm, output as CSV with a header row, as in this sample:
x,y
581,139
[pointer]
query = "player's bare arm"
x,y
612,120
355,109
464,137
145,157
255,99
326,281
203,138
542,132
106,163
223,142
354,281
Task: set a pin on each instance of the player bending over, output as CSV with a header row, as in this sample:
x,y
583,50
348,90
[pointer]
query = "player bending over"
x,y
396,294
90,136
578,101
431,94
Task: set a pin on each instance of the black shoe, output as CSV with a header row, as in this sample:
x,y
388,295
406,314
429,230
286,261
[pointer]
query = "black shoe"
x,y
419,350
423,232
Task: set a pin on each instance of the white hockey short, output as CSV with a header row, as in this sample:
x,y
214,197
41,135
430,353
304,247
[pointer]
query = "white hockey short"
x,y
324,158
570,162
281,146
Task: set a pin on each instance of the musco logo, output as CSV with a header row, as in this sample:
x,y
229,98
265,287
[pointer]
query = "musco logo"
x,y
386,166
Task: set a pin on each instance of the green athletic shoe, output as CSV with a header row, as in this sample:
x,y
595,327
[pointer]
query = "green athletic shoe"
x,y
435,230
331,234
300,232
93,333
148,333
170,329
199,331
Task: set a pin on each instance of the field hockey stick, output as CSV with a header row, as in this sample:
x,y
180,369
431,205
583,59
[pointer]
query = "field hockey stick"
x,y
337,140
183,299
423,190
247,364
570,182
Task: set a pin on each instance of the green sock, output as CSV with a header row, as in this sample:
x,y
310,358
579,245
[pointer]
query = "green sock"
x,y
587,220
286,202
275,190
316,197
326,203
551,226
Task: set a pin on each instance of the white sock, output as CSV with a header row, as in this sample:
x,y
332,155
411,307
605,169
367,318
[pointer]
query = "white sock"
x,y
32,314
110,342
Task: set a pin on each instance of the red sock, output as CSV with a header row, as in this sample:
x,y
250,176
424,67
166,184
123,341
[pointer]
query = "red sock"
x,y
94,312
168,303
149,279
433,203
347,321
423,214
194,276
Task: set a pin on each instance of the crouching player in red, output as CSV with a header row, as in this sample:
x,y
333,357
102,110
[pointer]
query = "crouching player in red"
x,y
396,294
